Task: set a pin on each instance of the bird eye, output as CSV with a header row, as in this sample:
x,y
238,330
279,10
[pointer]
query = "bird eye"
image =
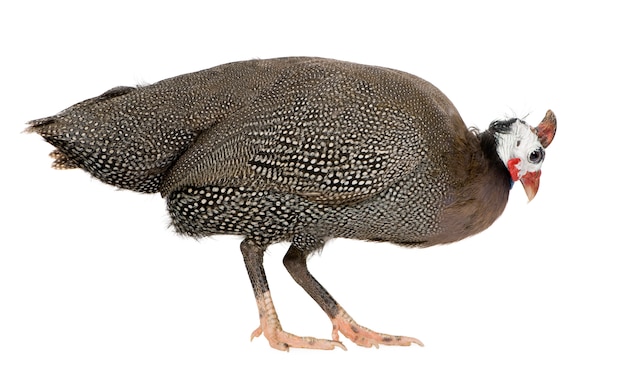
x,y
536,156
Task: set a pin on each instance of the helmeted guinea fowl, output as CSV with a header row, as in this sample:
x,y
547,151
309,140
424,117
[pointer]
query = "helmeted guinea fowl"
x,y
303,150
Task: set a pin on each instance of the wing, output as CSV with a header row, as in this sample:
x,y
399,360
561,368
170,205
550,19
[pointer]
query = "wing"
x,y
330,131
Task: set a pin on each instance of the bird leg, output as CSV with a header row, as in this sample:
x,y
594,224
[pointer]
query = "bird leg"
x,y
270,325
295,262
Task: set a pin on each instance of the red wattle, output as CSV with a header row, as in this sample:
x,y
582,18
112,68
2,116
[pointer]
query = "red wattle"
x,y
513,170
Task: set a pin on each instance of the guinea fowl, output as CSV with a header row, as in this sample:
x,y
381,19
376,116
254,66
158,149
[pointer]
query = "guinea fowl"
x,y
303,150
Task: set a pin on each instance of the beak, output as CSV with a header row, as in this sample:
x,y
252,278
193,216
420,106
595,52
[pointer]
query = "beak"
x,y
530,181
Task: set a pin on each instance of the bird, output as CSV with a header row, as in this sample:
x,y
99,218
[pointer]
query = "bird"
x,y
303,150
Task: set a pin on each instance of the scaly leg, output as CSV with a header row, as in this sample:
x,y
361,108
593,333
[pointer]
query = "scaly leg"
x,y
295,262
270,325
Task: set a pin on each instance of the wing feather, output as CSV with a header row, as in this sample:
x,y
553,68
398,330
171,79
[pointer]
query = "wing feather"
x,y
329,131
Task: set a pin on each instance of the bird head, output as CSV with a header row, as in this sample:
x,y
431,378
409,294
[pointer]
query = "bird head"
x,y
522,148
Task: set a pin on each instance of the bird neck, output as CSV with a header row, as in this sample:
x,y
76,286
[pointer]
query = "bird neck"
x,y
489,145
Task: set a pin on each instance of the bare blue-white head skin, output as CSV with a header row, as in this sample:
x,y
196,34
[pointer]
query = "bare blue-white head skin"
x,y
522,148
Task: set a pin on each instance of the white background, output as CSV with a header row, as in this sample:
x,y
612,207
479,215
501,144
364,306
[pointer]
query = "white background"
x,y
95,287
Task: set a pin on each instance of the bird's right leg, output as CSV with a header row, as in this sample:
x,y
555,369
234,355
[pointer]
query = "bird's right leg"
x,y
270,325
295,262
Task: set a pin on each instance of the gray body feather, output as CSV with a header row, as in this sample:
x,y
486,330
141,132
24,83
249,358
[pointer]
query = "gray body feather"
x,y
299,149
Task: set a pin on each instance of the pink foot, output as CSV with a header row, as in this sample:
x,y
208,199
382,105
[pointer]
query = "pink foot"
x,y
363,336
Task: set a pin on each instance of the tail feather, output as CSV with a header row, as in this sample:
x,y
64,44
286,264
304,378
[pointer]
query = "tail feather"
x,y
118,137
39,125
46,128
130,137
62,161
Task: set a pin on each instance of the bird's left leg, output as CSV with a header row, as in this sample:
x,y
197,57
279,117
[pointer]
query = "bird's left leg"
x,y
270,325
295,262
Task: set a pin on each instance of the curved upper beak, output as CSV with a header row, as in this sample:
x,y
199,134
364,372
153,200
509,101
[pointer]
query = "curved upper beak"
x,y
530,181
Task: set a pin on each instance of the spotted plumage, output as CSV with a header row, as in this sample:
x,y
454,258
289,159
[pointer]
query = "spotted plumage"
x,y
302,150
